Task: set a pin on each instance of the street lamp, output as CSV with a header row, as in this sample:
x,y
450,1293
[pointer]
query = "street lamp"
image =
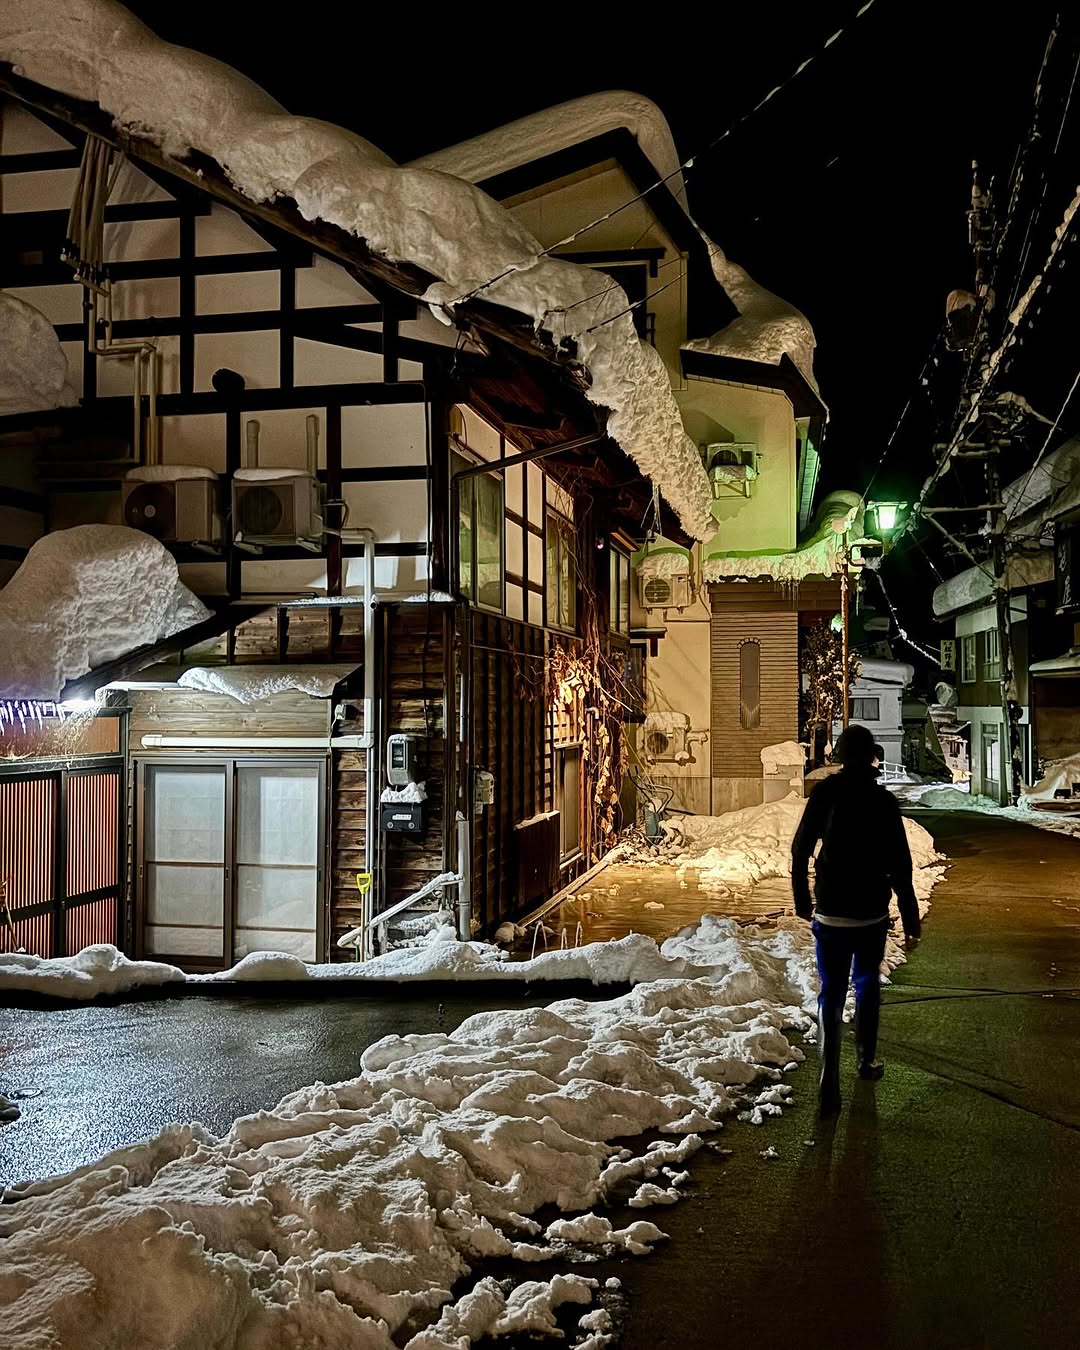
x,y
884,518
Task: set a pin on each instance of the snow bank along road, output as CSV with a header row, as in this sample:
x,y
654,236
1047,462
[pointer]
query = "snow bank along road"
x,y
358,1214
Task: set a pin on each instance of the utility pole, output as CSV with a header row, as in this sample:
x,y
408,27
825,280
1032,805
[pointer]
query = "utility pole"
x,y
981,236
1010,707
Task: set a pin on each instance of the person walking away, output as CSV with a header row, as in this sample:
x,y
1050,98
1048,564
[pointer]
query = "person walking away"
x,y
864,857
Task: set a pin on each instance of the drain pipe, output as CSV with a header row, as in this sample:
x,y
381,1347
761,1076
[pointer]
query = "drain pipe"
x,y
367,739
464,863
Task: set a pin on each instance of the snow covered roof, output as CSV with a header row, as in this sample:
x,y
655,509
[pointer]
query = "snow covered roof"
x,y
33,367
975,585
767,329
1055,473
180,101
878,670
85,596
820,555
558,128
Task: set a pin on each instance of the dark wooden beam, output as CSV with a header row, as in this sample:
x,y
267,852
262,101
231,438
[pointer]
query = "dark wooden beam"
x,y
124,667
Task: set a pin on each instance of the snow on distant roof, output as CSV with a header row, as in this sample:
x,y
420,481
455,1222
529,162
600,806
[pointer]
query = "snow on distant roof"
x,y
33,367
82,597
975,585
558,128
96,50
1055,471
249,684
878,670
767,328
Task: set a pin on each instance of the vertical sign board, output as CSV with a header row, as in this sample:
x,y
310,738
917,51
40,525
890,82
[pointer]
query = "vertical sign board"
x,y
948,655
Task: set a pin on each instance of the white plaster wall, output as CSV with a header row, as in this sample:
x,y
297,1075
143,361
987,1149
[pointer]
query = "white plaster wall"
x,y
679,681
767,520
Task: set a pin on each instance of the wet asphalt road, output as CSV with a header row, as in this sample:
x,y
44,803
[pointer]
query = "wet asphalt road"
x,y
104,1076
942,1210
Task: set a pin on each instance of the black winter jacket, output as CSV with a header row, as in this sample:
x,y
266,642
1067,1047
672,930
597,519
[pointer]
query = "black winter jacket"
x,y
864,853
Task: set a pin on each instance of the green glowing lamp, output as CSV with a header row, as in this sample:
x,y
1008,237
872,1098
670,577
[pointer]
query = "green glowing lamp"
x,y
886,517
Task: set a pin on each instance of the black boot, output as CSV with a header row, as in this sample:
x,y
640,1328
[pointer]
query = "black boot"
x,y
830,1026
871,1069
867,1016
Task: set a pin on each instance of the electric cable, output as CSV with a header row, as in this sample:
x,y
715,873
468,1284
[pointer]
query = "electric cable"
x,y
683,167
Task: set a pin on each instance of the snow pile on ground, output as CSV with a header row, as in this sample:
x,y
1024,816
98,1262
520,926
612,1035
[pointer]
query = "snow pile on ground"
x,y
1059,776
353,1214
82,597
33,367
183,101
95,970
250,684
782,756
955,799
734,851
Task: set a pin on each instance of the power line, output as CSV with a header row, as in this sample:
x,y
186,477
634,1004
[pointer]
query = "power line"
x,y
901,630
927,360
680,168
1050,434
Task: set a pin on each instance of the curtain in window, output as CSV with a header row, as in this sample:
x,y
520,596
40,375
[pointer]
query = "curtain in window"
x,y
750,685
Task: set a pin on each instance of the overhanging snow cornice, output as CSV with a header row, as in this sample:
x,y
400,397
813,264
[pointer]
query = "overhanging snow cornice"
x,y
785,377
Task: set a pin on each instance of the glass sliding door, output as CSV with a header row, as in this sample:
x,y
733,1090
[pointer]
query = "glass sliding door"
x,y
183,865
278,851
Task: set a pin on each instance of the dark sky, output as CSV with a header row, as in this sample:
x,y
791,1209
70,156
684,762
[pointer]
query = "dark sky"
x,y
847,194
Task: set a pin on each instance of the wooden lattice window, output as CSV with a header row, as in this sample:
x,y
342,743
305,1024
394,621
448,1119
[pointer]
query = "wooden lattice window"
x,y
750,685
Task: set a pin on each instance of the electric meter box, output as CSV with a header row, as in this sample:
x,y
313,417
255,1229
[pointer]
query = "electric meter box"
x,y
401,759
402,817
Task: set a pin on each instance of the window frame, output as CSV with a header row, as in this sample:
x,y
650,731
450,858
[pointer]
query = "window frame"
x,y
968,665
875,699
620,579
465,491
992,664
560,532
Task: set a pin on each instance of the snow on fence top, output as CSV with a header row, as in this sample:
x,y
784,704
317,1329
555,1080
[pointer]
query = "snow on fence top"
x,y
181,100
33,367
82,597
250,684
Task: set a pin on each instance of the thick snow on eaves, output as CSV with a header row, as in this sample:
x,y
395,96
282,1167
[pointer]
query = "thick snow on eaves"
x,y
82,597
96,50
33,367
767,329
557,128
250,684
820,558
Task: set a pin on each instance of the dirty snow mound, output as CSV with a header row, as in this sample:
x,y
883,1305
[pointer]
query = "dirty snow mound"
x,y
348,1214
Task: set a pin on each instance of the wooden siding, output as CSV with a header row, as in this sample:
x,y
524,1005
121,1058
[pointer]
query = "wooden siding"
x,y
735,751
511,738
191,712
348,815
415,639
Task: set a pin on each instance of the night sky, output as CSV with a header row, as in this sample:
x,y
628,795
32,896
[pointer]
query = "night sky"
x,y
847,194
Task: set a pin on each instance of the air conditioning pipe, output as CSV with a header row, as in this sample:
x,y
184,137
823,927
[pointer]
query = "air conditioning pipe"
x,y
154,740
367,739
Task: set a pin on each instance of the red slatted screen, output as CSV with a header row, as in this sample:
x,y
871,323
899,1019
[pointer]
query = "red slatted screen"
x,y
91,832
33,935
28,839
90,924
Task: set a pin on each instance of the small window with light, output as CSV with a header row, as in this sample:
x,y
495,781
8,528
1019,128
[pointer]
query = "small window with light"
x,y
561,590
619,592
992,666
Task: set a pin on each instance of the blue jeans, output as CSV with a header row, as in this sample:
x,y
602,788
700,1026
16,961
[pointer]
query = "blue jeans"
x,y
838,949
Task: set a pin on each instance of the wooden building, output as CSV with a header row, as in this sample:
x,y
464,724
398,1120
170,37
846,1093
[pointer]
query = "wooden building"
x,y
427,527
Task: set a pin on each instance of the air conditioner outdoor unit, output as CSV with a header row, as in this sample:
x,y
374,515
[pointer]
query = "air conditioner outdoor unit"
x,y
175,508
277,507
660,592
